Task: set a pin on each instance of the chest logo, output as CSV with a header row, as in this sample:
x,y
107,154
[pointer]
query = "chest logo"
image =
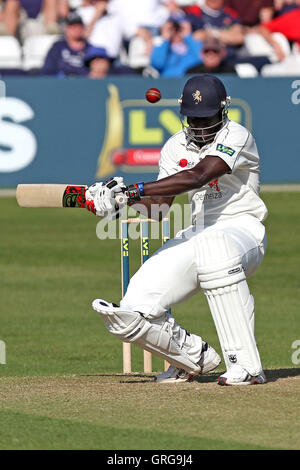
x,y
185,163
214,185
197,96
222,148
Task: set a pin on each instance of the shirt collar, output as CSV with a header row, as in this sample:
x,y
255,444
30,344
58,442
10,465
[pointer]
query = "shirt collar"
x,y
211,12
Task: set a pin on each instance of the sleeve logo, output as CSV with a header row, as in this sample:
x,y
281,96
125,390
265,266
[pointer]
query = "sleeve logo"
x,y
222,148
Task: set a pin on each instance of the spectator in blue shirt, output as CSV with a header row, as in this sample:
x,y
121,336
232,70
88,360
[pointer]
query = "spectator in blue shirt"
x,y
177,51
66,56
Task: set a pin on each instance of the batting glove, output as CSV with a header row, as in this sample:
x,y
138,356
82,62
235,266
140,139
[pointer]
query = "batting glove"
x,y
102,198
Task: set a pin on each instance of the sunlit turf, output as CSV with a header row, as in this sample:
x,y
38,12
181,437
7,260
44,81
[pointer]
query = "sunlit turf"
x,y
52,266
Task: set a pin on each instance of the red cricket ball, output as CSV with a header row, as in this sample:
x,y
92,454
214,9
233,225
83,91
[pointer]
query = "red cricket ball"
x,y
153,95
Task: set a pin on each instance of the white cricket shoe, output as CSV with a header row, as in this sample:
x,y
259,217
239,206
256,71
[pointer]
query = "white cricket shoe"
x,y
236,375
174,375
210,359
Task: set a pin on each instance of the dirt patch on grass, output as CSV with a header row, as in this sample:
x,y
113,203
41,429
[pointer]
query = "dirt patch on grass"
x,y
114,386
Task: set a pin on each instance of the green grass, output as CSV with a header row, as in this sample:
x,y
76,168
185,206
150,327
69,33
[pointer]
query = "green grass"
x,y
53,433
52,266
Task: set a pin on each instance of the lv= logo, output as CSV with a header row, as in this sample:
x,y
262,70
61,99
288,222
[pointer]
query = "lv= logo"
x,y
145,246
125,247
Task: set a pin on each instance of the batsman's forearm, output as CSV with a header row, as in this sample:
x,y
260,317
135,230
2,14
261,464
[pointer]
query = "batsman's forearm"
x,y
211,167
206,170
176,184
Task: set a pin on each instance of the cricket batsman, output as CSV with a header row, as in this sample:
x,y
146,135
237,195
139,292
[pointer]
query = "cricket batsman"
x,y
216,162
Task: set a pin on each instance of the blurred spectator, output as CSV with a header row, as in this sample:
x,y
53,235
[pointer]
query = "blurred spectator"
x,y
213,20
66,56
273,38
251,15
64,8
100,65
139,37
74,4
287,24
24,18
213,56
175,11
135,14
3,29
178,50
285,6
102,29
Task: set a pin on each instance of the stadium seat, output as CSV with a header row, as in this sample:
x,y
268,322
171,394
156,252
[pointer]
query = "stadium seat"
x,y
10,53
35,49
246,70
290,67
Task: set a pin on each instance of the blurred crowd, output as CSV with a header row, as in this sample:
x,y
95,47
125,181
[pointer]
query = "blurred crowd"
x,y
152,38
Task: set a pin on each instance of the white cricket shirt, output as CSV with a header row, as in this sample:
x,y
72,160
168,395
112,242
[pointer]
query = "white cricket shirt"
x,y
233,194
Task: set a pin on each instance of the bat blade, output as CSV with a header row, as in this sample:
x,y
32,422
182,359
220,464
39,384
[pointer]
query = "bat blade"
x,y
51,195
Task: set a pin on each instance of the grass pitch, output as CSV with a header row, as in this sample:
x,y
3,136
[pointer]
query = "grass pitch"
x,y
60,388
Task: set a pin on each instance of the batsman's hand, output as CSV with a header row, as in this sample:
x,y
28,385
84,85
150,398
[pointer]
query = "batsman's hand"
x,y
122,193
99,199
118,191
102,198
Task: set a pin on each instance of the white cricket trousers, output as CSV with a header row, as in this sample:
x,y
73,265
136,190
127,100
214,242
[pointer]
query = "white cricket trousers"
x,y
169,276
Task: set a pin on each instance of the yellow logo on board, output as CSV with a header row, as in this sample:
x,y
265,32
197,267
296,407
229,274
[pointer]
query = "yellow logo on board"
x,y
140,135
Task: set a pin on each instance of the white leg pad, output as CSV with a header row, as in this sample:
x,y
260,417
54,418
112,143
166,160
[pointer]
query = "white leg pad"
x,y
131,327
249,310
223,280
230,312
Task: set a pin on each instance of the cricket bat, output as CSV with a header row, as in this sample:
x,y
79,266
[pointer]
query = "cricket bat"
x,y
55,195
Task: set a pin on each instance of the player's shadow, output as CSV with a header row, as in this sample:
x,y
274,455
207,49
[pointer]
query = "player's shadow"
x,y
207,378
275,374
134,377
272,375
